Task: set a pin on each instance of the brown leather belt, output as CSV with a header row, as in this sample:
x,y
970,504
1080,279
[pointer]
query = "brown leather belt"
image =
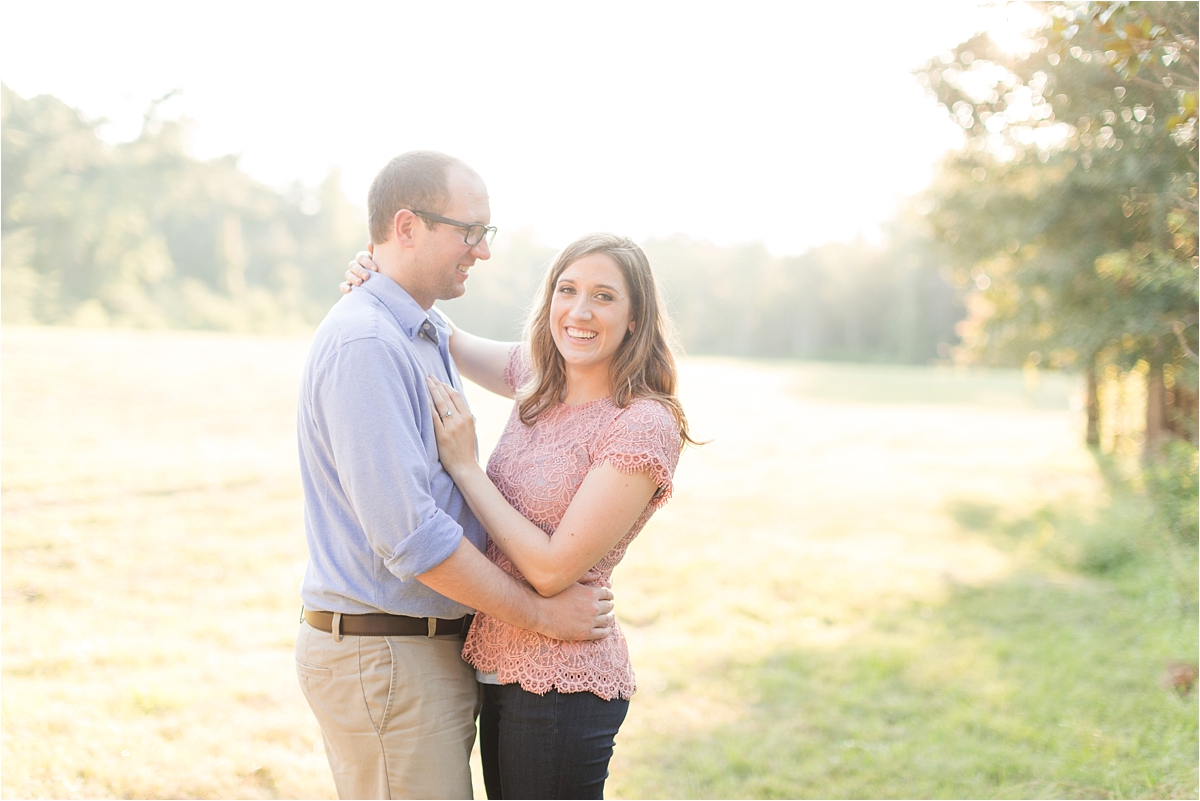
x,y
378,624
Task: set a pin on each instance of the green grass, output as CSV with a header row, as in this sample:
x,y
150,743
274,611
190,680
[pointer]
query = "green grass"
x,y
1028,688
874,582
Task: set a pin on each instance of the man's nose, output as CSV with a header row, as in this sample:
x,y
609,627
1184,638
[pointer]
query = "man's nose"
x,y
482,250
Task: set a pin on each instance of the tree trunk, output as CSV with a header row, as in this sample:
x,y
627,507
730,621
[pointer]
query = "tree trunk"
x,y
1156,408
1093,405
1182,412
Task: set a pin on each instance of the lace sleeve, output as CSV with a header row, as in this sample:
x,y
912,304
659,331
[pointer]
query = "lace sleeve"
x,y
517,372
643,437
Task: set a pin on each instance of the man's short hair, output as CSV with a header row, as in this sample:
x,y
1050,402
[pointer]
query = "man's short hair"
x,y
416,181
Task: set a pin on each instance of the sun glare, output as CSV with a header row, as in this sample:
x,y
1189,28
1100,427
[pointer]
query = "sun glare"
x,y
1013,26
708,110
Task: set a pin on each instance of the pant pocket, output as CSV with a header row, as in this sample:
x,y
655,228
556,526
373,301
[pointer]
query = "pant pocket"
x,y
310,671
377,665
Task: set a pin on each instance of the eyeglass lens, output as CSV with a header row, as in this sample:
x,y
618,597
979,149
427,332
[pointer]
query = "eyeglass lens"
x,y
476,233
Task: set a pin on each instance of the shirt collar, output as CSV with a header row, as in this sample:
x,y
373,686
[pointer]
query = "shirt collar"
x,y
408,312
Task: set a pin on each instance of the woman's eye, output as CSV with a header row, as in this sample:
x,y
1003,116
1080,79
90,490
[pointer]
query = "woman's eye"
x,y
605,296
566,290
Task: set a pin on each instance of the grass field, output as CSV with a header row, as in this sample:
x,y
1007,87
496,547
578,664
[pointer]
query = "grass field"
x,y
874,582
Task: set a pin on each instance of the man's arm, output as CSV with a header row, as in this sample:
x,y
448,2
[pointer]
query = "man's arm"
x,y
577,613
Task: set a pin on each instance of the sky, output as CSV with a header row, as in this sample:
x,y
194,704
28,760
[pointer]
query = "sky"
x,y
787,123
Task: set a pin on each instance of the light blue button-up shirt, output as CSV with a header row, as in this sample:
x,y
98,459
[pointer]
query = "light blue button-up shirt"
x,y
378,507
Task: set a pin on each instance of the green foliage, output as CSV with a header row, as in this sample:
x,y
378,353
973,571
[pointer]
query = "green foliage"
x,y
1144,540
142,234
1141,42
1123,532
852,302
1072,207
1171,484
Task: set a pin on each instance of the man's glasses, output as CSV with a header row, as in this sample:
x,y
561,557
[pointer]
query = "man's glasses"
x,y
474,233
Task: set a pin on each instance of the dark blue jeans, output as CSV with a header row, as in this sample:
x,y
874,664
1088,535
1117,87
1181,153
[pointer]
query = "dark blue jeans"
x,y
555,745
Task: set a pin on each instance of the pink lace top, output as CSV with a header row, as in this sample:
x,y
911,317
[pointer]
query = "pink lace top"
x,y
538,469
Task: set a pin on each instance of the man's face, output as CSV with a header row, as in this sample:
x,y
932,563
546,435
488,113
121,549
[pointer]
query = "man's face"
x,y
444,257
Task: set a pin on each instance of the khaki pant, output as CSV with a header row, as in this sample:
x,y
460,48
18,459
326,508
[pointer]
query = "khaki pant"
x,y
397,713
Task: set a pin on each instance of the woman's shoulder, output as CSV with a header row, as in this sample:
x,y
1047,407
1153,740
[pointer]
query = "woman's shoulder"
x,y
643,436
650,411
645,420
519,369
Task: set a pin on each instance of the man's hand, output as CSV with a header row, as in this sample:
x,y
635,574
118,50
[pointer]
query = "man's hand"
x,y
579,612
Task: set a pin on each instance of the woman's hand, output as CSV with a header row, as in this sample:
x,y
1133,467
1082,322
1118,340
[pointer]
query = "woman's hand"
x,y
454,427
358,271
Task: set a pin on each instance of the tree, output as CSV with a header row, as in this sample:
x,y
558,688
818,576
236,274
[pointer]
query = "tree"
x,y
143,234
1071,208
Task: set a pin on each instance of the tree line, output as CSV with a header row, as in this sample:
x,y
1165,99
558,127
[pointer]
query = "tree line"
x,y
143,234
1062,235
847,302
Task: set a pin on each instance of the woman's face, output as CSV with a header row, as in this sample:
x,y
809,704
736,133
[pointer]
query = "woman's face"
x,y
590,313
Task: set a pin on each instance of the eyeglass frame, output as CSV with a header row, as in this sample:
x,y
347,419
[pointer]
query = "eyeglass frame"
x,y
489,231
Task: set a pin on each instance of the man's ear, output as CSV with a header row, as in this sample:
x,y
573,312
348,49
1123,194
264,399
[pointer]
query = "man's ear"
x,y
402,227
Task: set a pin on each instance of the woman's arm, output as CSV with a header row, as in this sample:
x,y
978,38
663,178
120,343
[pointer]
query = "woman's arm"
x,y
479,359
603,510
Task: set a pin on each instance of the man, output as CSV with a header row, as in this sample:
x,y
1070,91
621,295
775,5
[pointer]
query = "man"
x,y
395,555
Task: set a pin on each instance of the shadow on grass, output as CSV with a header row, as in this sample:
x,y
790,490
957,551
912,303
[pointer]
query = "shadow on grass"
x,y
1127,543
1026,688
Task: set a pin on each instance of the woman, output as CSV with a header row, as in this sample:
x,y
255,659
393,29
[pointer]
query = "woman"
x,y
586,458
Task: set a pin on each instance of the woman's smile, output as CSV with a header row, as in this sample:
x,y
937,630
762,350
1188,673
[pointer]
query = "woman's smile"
x,y
579,333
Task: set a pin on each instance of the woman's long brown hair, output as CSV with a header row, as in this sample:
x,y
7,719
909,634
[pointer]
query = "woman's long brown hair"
x,y
643,366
